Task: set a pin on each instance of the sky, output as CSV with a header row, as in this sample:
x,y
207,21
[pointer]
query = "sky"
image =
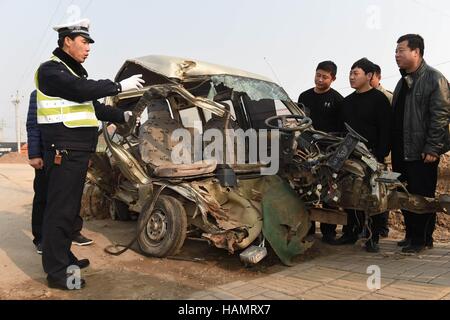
x,y
283,40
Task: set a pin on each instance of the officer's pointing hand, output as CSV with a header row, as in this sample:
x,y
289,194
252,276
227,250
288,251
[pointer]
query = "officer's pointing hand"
x,y
132,83
128,115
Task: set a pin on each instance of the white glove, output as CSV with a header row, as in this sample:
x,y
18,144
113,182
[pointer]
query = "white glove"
x,y
132,83
127,115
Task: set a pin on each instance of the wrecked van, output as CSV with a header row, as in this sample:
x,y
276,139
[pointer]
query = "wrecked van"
x,y
223,203
225,156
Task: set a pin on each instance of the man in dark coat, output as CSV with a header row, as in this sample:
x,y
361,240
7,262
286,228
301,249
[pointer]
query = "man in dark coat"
x,y
68,114
420,134
368,111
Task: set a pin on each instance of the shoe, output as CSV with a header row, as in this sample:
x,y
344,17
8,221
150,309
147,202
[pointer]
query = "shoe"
x,y
329,239
61,284
345,239
413,249
82,264
372,247
429,244
384,233
312,230
404,243
81,240
39,248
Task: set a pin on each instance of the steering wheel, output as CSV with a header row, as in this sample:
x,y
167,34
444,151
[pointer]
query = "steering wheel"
x,y
304,123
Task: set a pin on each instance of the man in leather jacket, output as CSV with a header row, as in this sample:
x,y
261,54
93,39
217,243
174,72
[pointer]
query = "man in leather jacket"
x,y
421,107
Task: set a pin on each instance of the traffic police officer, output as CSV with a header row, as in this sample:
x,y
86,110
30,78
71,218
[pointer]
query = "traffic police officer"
x,y
68,116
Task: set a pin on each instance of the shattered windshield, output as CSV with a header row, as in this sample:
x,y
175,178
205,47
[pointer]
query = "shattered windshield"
x,y
255,89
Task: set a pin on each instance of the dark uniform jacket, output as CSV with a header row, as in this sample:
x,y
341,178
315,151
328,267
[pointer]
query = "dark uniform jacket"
x,y
35,148
369,113
426,114
56,80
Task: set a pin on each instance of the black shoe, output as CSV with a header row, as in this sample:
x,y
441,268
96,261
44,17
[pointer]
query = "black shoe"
x,y
329,239
372,247
384,233
82,264
62,284
81,240
413,249
404,243
345,239
39,248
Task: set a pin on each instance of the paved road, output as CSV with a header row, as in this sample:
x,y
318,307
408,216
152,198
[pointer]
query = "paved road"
x,y
337,277
325,273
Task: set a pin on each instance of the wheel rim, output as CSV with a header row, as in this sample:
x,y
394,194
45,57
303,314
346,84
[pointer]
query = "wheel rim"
x,y
157,226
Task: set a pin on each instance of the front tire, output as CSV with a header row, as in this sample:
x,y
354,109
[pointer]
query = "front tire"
x,y
166,227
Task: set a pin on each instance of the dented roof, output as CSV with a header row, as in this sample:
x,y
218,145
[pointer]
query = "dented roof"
x,y
181,68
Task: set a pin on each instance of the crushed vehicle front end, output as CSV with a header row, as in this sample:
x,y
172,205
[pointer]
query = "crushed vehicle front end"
x,y
226,202
174,178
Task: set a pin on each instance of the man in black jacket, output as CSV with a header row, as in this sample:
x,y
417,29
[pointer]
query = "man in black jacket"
x,y
375,83
322,104
420,134
68,113
367,111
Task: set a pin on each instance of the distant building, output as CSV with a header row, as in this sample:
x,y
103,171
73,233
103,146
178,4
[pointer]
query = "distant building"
x,y
8,147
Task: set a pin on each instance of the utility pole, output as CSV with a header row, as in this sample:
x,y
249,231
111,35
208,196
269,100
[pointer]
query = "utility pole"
x,y
16,102
2,127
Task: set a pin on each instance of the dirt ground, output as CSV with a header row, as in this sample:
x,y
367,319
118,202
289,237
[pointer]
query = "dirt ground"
x,y
14,157
133,276
130,276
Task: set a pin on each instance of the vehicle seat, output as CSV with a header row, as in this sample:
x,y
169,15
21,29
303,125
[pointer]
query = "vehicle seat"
x,y
219,123
156,145
185,170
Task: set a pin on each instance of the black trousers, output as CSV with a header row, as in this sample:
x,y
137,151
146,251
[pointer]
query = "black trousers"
x,y
355,225
39,201
384,222
65,189
328,230
421,179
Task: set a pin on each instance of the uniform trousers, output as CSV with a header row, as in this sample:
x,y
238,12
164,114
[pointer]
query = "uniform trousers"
x,y
64,193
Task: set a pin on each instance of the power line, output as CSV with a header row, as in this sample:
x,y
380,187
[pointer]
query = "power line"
x,y
30,62
442,63
396,75
440,12
271,69
87,7
41,49
49,39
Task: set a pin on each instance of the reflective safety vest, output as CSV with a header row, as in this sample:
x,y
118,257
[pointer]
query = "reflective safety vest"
x,y
51,110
